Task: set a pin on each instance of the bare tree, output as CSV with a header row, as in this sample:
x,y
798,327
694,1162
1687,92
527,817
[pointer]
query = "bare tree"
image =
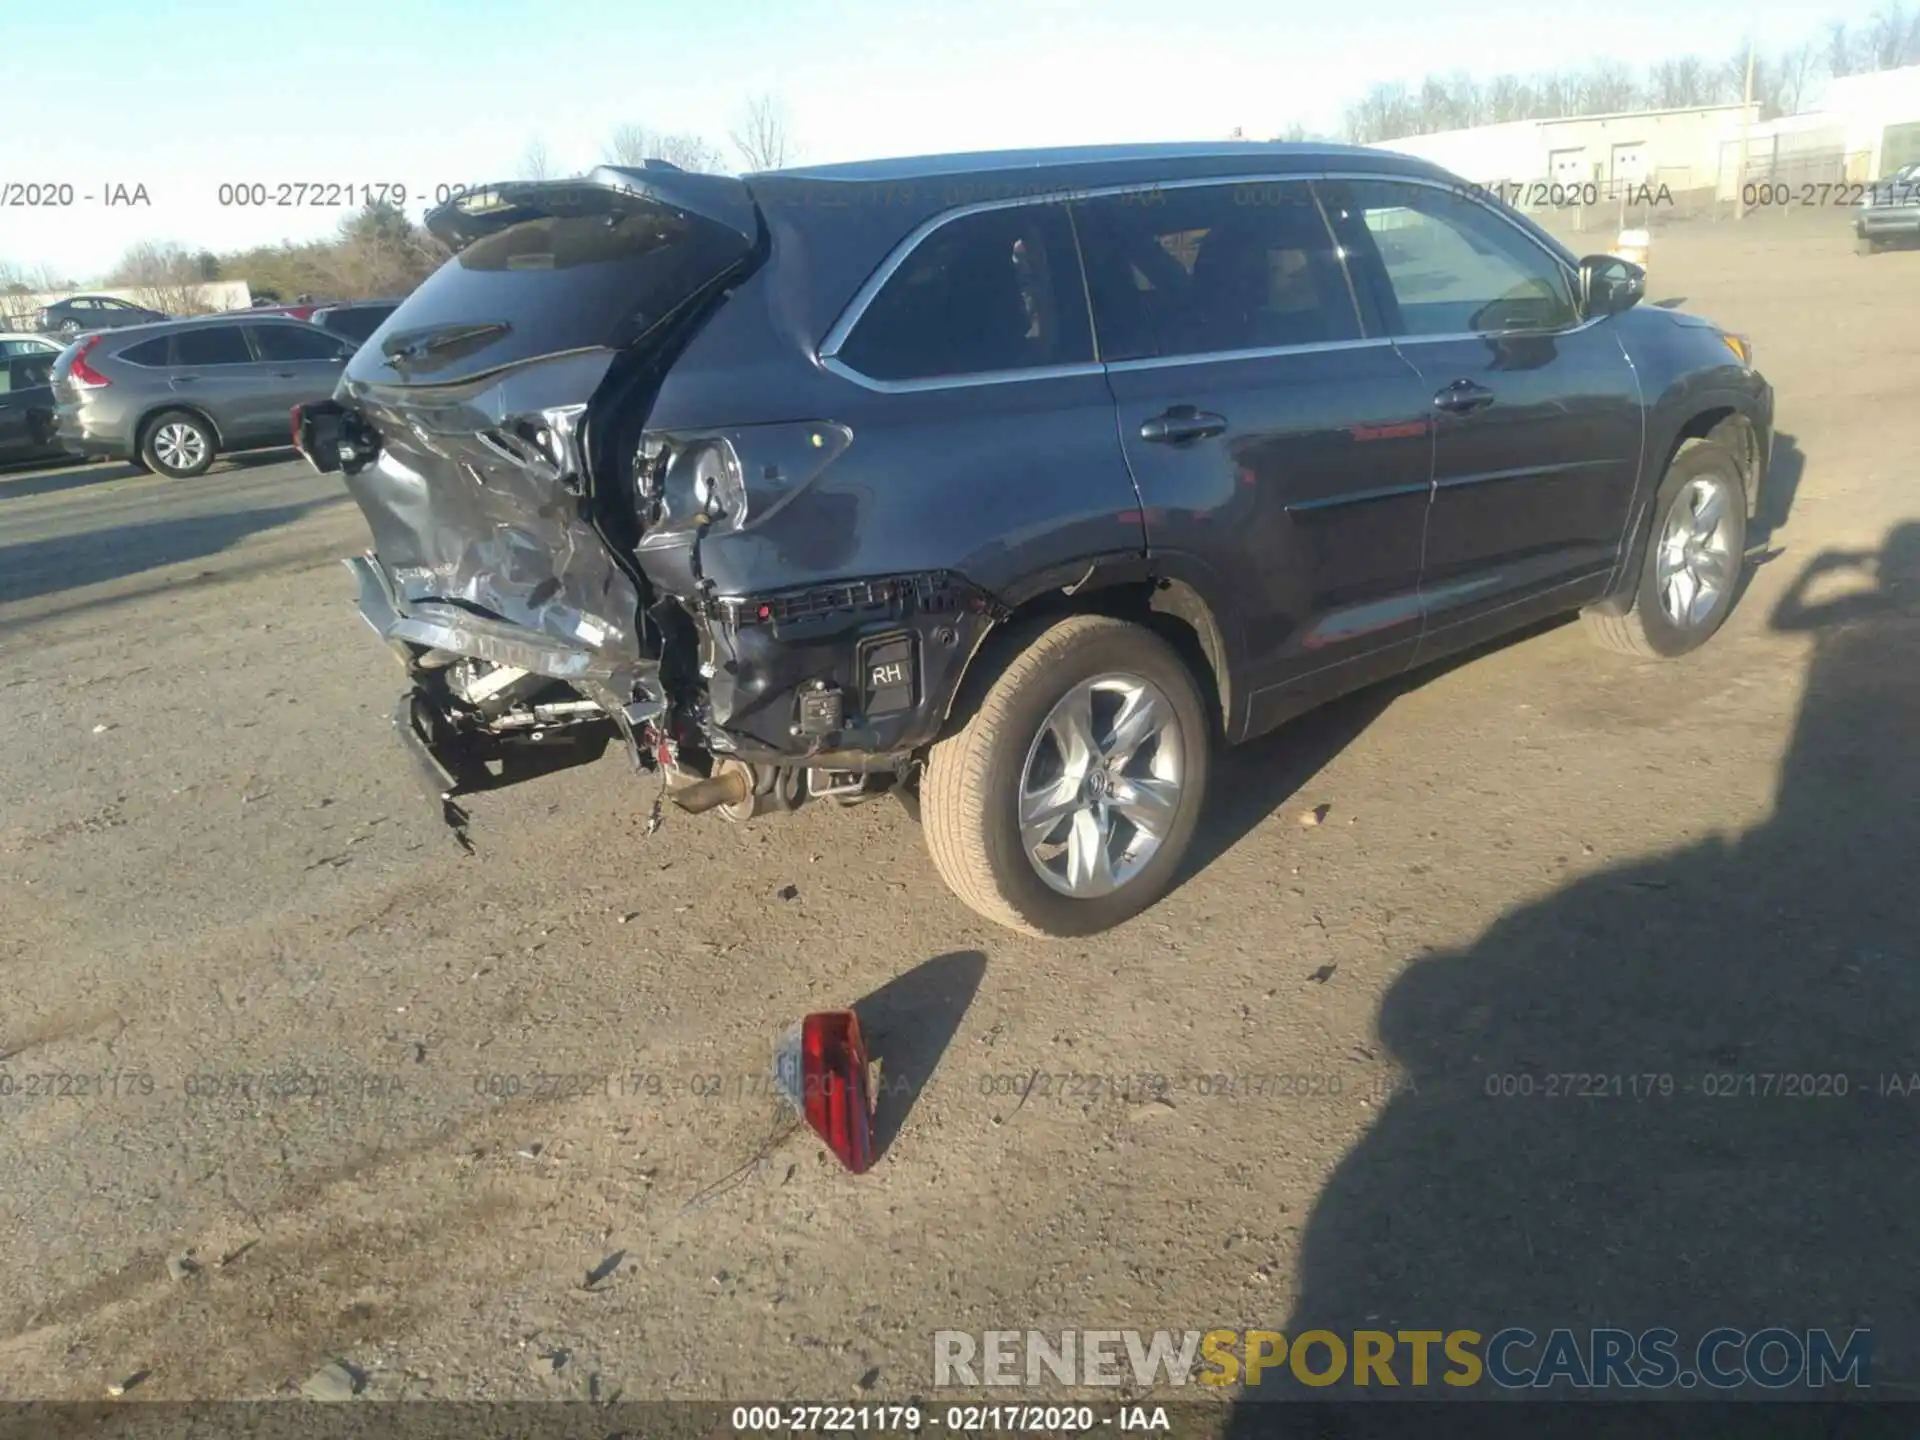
x,y
535,161
635,145
1684,81
1842,51
1791,74
163,276
1507,97
1386,112
378,252
1892,39
765,136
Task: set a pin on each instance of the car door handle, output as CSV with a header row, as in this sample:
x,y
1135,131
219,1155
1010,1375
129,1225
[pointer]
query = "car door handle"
x,y
185,379
286,375
1463,397
1182,423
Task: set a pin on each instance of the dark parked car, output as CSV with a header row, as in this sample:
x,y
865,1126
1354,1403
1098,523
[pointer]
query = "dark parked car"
x,y
356,321
78,314
1014,482
1889,212
26,409
171,397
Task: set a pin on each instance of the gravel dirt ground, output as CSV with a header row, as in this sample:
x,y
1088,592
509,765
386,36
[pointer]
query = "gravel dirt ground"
x,y
396,1102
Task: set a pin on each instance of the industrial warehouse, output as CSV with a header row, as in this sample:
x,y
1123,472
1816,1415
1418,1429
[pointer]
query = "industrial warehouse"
x,y
1863,127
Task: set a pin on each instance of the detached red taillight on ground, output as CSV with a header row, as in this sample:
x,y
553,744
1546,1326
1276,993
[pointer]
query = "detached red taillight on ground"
x,y
821,1067
83,374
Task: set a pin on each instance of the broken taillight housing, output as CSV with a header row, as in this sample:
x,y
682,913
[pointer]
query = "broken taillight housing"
x,y
821,1068
710,482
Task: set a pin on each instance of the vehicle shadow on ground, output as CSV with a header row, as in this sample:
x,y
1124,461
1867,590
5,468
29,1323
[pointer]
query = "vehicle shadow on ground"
x,y
1680,1093
31,480
67,562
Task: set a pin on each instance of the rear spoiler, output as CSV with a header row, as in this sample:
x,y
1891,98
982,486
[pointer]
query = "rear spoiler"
x,y
605,190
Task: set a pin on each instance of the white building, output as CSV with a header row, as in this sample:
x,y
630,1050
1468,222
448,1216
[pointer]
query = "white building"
x,y
1872,121
1680,149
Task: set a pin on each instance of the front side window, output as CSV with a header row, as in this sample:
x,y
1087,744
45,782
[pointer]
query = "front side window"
x,y
994,291
213,345
1211,269
1448,265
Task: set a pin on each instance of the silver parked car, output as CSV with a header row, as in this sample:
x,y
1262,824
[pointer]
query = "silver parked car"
x,y
170,397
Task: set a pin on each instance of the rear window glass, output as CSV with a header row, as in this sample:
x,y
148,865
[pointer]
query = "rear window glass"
x,y
997,290
147,352
214,345
357,324
554,284
296,342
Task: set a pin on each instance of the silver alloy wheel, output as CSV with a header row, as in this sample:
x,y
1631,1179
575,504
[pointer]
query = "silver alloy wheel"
x,y
1696,566
179,446
1101,784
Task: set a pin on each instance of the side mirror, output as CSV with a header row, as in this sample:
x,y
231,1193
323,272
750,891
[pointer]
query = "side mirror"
x,y
1609,285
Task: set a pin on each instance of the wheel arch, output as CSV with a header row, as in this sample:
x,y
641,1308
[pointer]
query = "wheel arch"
x,y
1726,419
1157,593
155,411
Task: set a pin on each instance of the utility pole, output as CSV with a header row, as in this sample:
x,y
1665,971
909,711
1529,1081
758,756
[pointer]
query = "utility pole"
x,y
1746,122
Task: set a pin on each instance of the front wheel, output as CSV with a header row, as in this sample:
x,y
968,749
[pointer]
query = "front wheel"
x,y
1693,559
1862,245
1066,799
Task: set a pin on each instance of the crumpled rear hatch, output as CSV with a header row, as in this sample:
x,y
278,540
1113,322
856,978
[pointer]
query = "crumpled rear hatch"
x,y
486,428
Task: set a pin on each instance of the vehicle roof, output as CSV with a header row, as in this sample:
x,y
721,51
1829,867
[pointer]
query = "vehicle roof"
x,y
29,335
1156,161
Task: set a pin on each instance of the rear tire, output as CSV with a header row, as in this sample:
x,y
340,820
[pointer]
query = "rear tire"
x,y
177,444
1027,750
1694,555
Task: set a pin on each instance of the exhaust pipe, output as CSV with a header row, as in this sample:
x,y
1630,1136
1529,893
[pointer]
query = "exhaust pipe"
x,y
732,786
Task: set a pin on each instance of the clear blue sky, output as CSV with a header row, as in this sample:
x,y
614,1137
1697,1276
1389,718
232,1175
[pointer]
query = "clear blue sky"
x,y
181,95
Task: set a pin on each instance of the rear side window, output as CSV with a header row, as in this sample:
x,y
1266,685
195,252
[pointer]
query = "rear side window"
x,y
1449,265
147,352
993,291
297,342
1214,269
213,345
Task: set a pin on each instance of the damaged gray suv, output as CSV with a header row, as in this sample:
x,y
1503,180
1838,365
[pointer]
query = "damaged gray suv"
x,y
1013,483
